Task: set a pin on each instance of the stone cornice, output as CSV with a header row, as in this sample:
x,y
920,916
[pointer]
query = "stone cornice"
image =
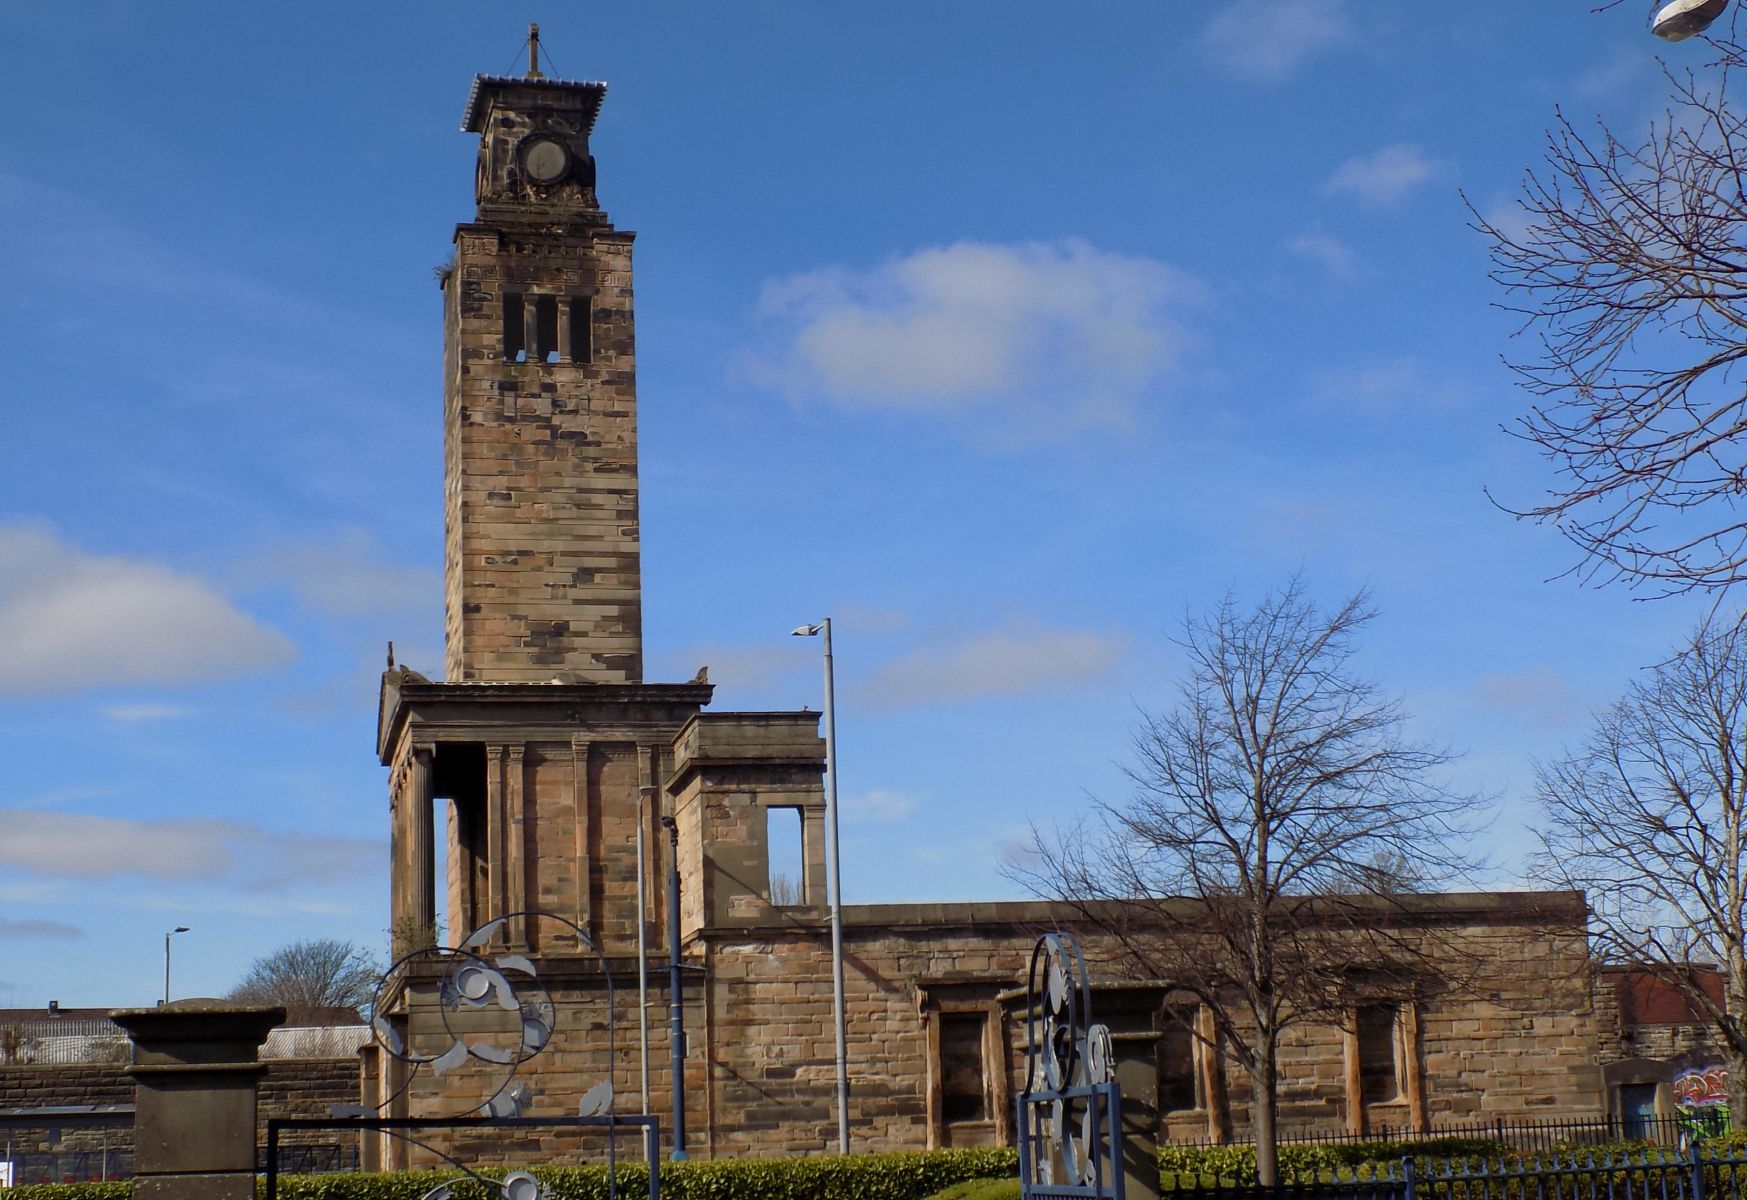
x,y
553,705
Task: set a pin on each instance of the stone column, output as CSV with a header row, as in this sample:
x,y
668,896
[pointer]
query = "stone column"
x,y
1412,1067
516,846
579,750
196,1068
1353,1081
421,823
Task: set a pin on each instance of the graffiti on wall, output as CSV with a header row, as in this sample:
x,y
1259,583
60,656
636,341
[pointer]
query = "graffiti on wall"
x,y
1701,1087
1701,1098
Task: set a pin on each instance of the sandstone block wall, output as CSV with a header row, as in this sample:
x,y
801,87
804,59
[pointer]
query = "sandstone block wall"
x,y
292,1087
542,546
1513,1038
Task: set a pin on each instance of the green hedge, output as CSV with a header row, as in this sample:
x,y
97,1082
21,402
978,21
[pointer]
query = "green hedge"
x,y
856,1177
1239,1162
981,1189
906,1176
114,1190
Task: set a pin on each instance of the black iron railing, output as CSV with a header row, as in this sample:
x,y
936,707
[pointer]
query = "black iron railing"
x,y
1651,1174
1531,1136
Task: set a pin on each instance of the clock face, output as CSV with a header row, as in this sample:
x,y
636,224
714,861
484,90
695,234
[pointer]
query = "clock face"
x,y
544,159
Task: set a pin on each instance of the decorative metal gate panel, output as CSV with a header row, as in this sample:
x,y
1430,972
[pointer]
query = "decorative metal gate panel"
x,y
1070,1111
498,1014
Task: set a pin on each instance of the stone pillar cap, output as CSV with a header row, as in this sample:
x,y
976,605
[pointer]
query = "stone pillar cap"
x,y
204,1019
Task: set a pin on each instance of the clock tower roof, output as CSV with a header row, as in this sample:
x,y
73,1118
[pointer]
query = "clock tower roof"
x,y
572,94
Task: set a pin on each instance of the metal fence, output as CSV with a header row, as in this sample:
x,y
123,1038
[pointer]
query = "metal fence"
x,y
499,1135
69,1166
1653,1174
1528,1136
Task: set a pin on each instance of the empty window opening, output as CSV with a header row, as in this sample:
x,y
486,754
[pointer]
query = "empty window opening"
x,y
546,329
581,334
1379,1079
1177,1074
782,838
514,330
962,1078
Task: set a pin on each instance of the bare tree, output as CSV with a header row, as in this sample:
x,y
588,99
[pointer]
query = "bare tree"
x,y
319,973
1278,809
785,890
1649,817
1629,265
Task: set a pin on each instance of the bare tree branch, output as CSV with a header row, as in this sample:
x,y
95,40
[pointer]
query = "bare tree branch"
x,y
320,973
1277,809
1628,263
1648,818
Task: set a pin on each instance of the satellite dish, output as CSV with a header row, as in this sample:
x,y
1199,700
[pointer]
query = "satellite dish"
x,y
1681,19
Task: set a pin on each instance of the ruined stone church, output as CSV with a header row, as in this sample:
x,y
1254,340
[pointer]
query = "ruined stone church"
x,y
544,764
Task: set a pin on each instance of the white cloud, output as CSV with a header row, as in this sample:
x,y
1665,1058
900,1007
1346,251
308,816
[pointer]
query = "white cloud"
x,y
349,575
877,806
1543,694
82,846
1028,343
1509,218
734,666
1267,40
1004,663
38,929
1334,255
1383,387
71,621
1386,176
132,713
1615,75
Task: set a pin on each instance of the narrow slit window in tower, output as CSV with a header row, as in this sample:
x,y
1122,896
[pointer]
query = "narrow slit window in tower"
x,y
546,329
514,349
782,839
581,335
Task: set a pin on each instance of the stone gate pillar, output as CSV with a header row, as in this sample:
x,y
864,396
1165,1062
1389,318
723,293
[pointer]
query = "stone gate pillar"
x,y
1129,1011
196,1067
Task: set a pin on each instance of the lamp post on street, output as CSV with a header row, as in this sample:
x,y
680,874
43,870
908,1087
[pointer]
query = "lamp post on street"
x,y
172,933
833,880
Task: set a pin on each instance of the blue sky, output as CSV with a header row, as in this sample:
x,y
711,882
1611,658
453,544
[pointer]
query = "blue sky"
x,y
1000,333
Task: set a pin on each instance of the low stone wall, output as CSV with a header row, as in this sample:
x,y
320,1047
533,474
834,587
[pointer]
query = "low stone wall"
x,y
292,1087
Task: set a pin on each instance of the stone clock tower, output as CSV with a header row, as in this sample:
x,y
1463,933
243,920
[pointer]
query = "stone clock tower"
x,y
543,775
540,404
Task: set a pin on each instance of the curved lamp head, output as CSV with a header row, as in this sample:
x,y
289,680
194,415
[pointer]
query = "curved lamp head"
x,y
1680,19
805,631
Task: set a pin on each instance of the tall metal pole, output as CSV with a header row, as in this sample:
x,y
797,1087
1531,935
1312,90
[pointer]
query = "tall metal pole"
x,y
834,882
643,794
172,933
674,986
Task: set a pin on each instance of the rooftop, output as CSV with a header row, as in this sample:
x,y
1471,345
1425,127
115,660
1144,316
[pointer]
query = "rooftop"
x,y
588,92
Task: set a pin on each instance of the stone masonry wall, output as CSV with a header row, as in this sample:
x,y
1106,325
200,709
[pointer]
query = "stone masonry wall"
x,y
1516,1041
292,1087
542,570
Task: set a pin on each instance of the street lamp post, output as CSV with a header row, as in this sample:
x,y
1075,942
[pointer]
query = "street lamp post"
x,y
833,880
675,989
645,795
167,937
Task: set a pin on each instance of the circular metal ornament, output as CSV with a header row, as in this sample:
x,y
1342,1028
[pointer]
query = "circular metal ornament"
x,y
1100,1065
545,160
